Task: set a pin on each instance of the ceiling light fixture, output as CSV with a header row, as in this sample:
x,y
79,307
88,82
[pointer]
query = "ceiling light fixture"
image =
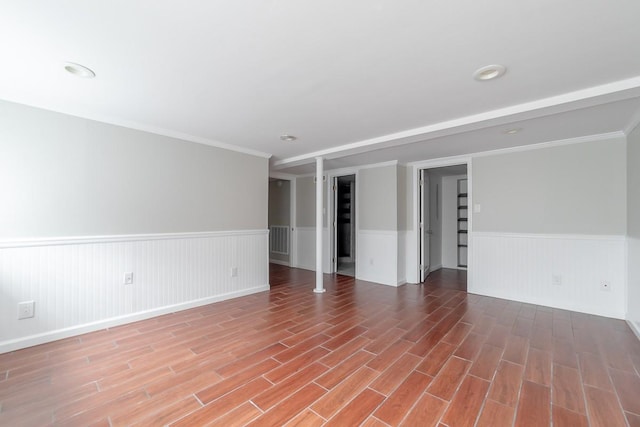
x,y
288,138
489,72
512,131
79,70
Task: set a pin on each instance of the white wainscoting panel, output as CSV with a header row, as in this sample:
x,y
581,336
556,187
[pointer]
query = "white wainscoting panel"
x,y
377,256
520,267
306,247
402,256
411,256
77,284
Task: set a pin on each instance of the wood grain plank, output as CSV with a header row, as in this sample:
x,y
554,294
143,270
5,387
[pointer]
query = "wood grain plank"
x,y
396,406
495,414
445,384
334,400
357,410
534,407
426,412
465,406
603,408
567,389
506,384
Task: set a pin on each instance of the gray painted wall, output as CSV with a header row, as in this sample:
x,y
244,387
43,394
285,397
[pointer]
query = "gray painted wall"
x,y
633,227
306,202
403,199
280,210
279,202
571,189
66,176
378,198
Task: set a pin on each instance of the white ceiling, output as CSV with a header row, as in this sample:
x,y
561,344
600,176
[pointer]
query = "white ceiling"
x,y
346,77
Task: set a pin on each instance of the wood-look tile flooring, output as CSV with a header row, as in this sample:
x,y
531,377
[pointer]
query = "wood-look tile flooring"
x,y
360,354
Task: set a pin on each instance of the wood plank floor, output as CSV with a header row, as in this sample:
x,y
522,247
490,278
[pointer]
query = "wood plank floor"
x,y
361,354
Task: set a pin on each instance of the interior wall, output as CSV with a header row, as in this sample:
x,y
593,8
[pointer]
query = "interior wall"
x,y
305,228
551,227
633,228
378,198
188,220
570,189
65,176
280,212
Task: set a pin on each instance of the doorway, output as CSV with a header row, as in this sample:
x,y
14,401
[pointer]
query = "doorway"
x,y
443,196
280,221
344,225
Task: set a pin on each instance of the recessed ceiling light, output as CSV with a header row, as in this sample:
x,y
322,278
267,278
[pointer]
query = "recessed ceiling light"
x,y
489,72
512,131
288,138
79,70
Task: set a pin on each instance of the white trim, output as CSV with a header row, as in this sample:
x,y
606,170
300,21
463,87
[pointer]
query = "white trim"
x,y
293,242
633,123
456,160
78,240
612,237
351,170
45,337
635,327
588,97
279,262
414,261
441,162
143,128
555,143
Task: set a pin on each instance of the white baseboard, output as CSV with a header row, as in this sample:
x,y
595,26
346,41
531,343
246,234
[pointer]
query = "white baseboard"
x,y
37,339
279,262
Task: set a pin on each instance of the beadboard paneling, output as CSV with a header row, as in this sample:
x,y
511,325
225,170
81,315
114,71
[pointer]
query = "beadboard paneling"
x,y
306,246
377,256
78,286
521,267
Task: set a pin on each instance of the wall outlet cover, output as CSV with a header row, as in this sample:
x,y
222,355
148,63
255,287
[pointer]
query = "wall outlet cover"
x,y
26,309
128,278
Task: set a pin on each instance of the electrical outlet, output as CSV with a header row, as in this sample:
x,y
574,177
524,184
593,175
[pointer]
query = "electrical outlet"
x,y
26,309
234,271
605,286
556,280
128,278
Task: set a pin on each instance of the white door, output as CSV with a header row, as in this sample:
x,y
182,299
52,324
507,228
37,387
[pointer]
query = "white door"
x,y
334,224
424,232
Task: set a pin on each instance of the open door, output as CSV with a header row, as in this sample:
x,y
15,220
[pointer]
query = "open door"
x,y
334,224
424,224
343,225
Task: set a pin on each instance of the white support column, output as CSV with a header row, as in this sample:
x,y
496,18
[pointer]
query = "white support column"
x,y
319,208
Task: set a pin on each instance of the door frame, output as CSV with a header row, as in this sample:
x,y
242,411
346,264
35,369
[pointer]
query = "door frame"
x,y
332,177
424,207
293,241
413,259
